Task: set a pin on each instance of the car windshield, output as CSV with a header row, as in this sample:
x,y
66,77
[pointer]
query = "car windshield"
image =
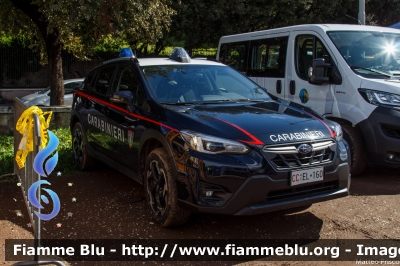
x,y
369,53
173,84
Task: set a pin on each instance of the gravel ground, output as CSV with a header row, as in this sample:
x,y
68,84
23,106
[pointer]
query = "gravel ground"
x,y
111,206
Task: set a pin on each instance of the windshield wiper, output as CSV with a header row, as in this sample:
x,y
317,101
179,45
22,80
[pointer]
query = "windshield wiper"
x,y
249,100
177,103
373,70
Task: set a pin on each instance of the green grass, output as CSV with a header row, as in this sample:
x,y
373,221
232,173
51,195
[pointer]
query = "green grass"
x,y
65,160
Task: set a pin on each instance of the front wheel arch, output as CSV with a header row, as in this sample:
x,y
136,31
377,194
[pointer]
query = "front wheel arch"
x,y
356,143
152,139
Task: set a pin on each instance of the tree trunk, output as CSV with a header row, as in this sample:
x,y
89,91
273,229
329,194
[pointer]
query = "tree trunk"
x,y
53,47
51,38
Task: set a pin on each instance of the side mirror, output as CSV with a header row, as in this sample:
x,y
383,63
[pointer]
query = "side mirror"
x,y
122,97
321,73
317,73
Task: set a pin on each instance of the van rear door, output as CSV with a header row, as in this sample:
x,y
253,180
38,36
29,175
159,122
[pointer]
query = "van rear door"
x,y
267,62
262,57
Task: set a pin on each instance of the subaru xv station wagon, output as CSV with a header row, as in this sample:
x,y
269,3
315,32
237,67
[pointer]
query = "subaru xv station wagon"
x,y
202,137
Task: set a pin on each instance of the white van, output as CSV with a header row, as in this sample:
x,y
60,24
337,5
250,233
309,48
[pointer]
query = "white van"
x,y
347,73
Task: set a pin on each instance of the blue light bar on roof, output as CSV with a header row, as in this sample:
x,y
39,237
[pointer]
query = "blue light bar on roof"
x,y
126,52
179,54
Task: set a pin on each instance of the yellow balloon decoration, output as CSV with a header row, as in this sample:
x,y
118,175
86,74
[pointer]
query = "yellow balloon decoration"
x,y
25,127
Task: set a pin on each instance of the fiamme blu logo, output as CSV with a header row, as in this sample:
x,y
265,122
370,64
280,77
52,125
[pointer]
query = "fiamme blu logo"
x,y
43,163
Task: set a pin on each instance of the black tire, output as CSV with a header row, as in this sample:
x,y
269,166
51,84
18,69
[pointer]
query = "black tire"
x,y
83,161
161,191
357,160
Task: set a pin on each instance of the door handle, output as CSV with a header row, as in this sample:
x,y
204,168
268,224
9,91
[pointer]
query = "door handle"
x,y
131,119
292,87
86,103
105,110
279,86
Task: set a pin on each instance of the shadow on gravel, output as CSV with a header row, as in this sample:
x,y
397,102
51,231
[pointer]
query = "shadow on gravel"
x,y
12,202
376,181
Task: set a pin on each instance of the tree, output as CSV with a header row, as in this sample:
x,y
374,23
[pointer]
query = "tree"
x,y
202,23
76,25
383,12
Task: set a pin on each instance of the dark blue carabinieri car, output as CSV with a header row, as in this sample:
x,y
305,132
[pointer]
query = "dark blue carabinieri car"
x,y
202,137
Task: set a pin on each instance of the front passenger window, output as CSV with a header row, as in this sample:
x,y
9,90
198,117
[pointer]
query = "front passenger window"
x,y
126,80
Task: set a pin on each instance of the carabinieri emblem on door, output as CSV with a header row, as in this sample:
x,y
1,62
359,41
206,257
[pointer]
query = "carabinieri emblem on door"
x,y
130,138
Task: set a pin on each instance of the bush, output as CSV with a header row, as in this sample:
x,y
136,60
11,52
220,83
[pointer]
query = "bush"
x,y
6,154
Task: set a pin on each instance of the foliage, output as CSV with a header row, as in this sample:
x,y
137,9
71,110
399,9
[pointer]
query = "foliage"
x,y
65,159
382,12
6,154
77,25
83,24
202,23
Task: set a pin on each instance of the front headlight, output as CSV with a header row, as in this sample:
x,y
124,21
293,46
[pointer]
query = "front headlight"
x,y
380,97
213,145
343,151
339,131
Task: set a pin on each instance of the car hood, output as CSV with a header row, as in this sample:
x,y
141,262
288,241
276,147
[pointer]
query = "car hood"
x,y
35,95
255,123
386,85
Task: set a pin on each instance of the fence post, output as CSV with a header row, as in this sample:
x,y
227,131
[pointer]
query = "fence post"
x,y
26,177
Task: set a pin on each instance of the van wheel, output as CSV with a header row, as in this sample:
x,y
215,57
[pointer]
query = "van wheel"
x,y
358,161
83,161
161,191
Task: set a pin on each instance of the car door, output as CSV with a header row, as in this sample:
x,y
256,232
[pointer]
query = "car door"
x,y
97,109
308,46
126,118
267,63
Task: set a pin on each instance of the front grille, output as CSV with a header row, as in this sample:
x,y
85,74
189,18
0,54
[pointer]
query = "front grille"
x,y
391,132
287,156
294,192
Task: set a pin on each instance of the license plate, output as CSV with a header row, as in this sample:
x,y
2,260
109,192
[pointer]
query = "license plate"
x,y
306,176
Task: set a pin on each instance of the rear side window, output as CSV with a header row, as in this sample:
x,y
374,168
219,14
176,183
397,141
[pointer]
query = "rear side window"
x,y
104,80
88,83
268,57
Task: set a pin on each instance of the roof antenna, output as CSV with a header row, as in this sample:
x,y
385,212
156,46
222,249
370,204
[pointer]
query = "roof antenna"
x,y
359,22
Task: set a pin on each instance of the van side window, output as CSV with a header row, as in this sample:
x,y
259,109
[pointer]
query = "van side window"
x,y
234,55
268,57
104,80
308,47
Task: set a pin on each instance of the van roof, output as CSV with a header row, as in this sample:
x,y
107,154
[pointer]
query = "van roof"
x,y
309,27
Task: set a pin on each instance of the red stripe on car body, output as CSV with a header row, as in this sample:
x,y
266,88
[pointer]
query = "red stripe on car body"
x,y
124,111
333,133
255,141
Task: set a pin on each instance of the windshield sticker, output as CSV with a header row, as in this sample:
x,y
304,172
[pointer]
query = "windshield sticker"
x,y
109,129
303,95
297,136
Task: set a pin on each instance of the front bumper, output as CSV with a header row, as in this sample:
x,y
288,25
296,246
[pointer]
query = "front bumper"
x,y
381,132
264,193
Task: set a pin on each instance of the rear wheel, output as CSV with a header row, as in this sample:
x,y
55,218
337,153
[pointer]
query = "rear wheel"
x,y
161,191
357,160
83,161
